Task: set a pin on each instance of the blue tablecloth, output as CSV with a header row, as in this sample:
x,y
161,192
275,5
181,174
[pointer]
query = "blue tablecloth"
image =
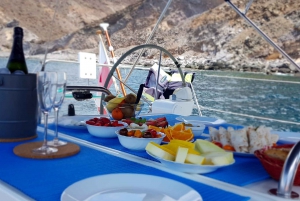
x,y
45,180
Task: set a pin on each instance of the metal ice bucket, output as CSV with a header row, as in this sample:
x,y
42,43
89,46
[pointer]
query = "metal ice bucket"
x,y
18,107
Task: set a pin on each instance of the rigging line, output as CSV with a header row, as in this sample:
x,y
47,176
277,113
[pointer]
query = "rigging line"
x,y
243,78
252,116
149,38
248,6
50,33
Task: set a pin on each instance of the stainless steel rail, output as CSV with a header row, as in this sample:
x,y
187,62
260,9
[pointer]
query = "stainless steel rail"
x,y
288,174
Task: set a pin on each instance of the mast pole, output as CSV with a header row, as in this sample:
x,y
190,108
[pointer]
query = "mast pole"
x,y
111,50
99,32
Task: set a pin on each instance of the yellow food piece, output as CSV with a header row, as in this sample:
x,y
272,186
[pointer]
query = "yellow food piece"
x,y
204,146
195,159
218,158
183,143
160,151
113,103
181,154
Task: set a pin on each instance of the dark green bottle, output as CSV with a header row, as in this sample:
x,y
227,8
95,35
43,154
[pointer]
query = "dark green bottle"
x,y
16,63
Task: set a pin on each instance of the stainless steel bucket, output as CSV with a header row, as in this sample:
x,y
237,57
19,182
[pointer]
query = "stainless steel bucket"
x,y
18,107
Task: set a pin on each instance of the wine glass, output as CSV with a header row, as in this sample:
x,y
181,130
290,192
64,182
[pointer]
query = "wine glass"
x,y
59,98
46,91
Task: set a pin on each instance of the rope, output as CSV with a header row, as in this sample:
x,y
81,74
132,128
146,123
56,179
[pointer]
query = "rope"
x,y
243,78
252,116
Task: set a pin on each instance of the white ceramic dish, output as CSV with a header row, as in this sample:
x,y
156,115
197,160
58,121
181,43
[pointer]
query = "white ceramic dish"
x,y
105,132
208,121
133,187
188,168
137,144
287,137
196,128
73,122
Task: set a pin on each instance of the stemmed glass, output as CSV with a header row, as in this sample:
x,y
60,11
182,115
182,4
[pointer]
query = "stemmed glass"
x,y
59,98
46,91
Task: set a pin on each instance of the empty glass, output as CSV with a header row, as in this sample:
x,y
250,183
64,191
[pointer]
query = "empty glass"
x,y
46,91
59,98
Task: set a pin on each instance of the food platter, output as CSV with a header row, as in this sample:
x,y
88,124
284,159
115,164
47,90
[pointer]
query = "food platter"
x,y
235,153
208,121
123,187
188,168
75,122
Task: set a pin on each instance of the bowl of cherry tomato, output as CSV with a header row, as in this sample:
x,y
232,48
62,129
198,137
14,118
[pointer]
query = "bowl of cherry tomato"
x,y
135,139
104,127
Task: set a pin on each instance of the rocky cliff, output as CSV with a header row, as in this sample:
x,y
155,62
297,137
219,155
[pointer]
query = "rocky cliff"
x,y
201,34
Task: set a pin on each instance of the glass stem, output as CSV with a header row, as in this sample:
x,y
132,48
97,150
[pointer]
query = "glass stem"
x,y
45,129
56,123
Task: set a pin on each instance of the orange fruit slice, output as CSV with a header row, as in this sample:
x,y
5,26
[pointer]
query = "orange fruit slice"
x,y
168,135
157,129
182,135
189,131
178,127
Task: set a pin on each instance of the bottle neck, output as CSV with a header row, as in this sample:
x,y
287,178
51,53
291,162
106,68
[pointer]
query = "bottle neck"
x,y
17,49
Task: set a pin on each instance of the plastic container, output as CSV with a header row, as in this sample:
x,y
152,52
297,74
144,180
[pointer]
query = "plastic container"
x,y
274,166
18,107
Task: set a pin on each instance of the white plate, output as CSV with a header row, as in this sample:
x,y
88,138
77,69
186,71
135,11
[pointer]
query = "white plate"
x,y
287,137
133,187
73,121
201,120
188,168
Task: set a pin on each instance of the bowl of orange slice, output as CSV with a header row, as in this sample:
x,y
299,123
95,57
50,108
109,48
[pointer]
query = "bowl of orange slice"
x,y
177,132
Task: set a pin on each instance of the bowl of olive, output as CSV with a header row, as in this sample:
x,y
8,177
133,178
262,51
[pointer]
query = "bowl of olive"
x,y
135,139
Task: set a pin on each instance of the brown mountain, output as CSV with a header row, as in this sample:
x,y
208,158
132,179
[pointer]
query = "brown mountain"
x,y
193,28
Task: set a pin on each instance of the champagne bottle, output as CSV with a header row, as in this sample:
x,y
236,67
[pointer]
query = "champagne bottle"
x,y
16,63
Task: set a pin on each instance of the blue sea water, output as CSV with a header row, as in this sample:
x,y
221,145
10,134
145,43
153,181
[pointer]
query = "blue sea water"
x,y
218,90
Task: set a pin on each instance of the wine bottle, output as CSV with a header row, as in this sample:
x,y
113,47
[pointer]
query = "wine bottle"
x,y
16,63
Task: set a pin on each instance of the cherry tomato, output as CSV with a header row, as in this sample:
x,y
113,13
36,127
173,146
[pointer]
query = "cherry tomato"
x,y
90,122
108,125
98,124
153,133
228,147
219,144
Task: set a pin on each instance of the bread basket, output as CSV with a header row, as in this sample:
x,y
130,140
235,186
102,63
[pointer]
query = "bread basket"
x,y
274,166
